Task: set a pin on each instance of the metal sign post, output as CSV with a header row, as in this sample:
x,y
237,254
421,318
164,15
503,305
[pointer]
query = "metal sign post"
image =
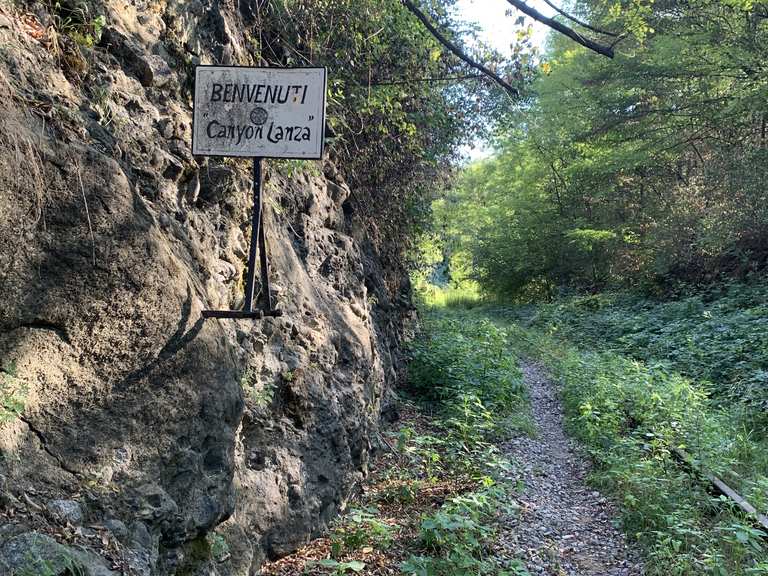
x,y
258,113
258,244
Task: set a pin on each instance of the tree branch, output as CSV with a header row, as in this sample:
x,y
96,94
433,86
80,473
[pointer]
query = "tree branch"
x,y
579,22
563,29
430,80
458,52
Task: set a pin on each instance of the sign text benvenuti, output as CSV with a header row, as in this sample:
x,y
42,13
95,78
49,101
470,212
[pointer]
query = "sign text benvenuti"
x,y
259,112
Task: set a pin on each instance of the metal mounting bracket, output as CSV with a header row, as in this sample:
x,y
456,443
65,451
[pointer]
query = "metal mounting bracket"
x,y
258,248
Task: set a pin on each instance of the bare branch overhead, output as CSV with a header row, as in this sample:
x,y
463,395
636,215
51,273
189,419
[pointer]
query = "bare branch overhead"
x,y
458,52
563,29
579,22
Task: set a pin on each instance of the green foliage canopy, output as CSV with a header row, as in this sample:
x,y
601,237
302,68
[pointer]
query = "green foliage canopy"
x,y
636,170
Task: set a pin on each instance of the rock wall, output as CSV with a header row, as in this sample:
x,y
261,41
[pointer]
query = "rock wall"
x,y
145,428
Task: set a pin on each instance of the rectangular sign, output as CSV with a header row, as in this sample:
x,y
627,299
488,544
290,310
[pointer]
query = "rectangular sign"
x,y
259,112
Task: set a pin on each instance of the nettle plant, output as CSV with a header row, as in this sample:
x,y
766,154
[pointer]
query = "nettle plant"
x,y
358,528
456,537
459,355
13,393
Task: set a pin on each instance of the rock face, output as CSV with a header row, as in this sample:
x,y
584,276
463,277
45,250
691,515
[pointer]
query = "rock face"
x,y
113,239
33,553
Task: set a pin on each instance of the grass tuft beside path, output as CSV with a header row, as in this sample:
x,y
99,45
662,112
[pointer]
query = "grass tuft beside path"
x,y
641,378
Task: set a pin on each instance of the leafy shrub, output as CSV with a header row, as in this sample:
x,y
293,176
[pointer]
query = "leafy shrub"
x,y
456,536
457,355
424,452
358,528
630,415
463,364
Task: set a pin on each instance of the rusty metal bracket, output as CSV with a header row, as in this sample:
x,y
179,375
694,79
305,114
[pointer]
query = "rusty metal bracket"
x,y
258,249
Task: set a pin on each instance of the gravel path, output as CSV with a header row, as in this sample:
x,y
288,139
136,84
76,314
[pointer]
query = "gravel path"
x,y
565,527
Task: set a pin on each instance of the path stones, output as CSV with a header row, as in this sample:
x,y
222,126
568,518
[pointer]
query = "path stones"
x,y
564,528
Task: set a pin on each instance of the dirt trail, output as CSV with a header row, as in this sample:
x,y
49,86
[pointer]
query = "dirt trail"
x,y
565,527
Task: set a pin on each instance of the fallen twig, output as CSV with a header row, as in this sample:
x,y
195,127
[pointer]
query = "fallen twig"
x,y
87,213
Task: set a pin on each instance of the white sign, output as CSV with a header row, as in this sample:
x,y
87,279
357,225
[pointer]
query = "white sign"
x,y
259,112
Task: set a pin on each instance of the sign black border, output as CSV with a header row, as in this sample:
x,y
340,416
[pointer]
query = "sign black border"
x,y
325,96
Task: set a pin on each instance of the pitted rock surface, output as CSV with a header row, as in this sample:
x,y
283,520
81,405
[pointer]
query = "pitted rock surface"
x,y
113,240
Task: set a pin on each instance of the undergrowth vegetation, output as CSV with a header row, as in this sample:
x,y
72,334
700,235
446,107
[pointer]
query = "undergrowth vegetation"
x,y
455,538
462,368
643,379
719,335
434,504
463,363
649,378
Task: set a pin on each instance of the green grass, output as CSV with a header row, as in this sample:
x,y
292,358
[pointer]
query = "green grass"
x,y
465,295
469,394
647,377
